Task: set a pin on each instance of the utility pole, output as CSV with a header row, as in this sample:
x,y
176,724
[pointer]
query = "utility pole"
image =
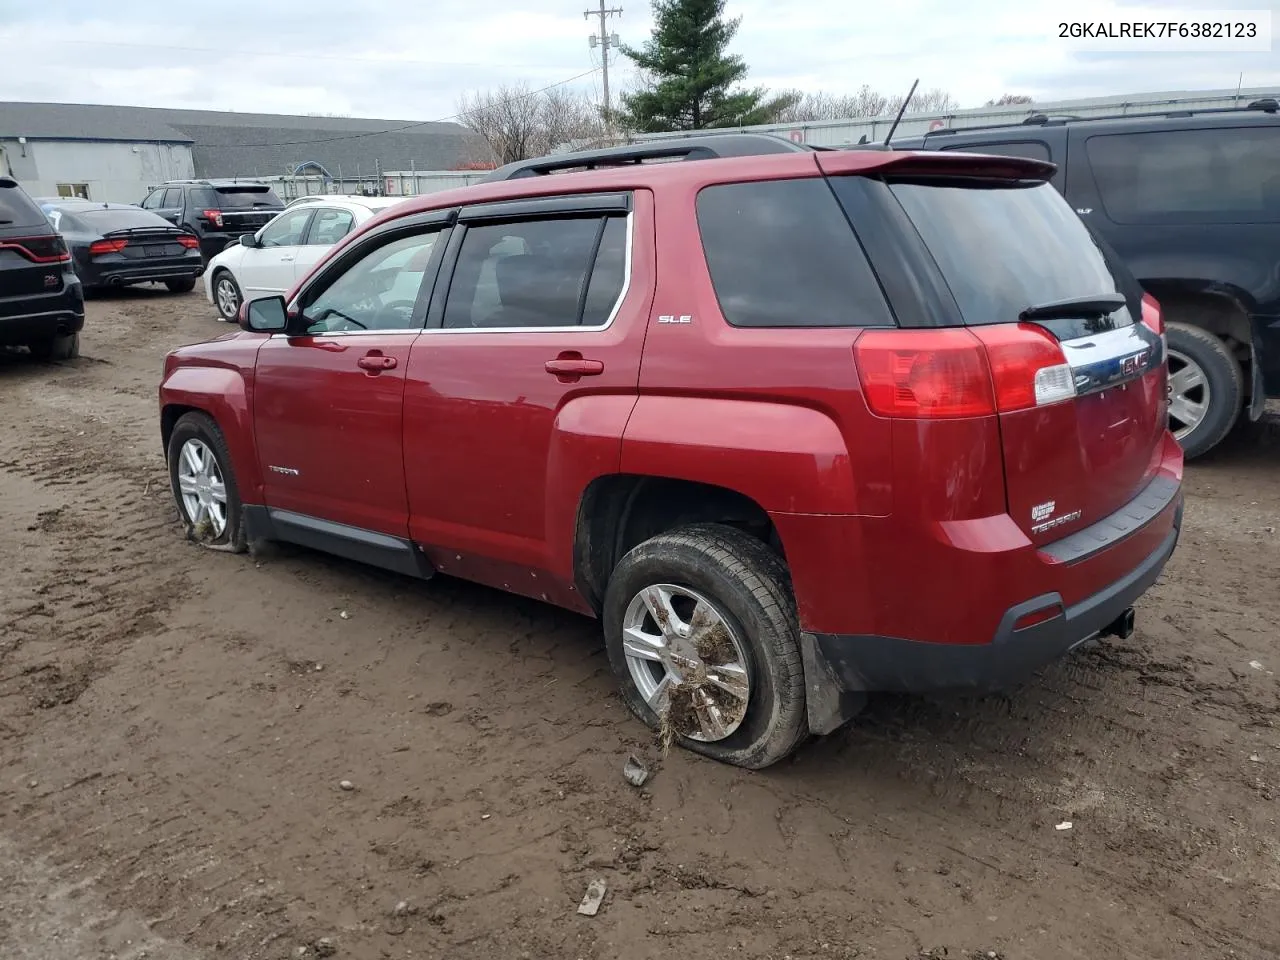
x,y
604,40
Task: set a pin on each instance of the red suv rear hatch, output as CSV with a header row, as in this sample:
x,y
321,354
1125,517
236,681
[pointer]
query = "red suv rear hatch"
x,y
1053,328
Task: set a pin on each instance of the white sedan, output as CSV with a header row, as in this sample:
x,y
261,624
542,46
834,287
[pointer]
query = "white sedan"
x,y
269,262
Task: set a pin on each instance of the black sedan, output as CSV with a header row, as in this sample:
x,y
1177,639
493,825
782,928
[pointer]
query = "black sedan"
x,y
118,244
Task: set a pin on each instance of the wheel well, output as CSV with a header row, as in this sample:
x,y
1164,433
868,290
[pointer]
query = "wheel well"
x,y
621,511
1220,314
169,416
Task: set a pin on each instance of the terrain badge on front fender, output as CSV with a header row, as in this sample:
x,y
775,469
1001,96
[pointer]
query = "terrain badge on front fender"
x,y
287,471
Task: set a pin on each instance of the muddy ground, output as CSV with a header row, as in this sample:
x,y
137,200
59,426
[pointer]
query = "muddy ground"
x,y
175,724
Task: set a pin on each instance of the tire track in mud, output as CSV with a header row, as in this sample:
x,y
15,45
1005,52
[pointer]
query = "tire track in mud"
x,y
186,716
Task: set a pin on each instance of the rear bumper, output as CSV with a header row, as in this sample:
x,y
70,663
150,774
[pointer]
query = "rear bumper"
x,y
840,668
156,271
24,320
867,664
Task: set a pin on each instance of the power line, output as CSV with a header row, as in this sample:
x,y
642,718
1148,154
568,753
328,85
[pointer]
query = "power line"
x,y
290,56
416,123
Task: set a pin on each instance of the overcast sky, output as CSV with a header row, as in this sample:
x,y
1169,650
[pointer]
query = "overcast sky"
x,y
411,60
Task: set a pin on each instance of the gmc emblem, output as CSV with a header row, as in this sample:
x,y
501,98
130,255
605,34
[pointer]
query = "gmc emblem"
x,y
1131,365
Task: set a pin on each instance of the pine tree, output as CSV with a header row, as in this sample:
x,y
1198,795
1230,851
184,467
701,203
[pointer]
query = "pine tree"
x,y
690,77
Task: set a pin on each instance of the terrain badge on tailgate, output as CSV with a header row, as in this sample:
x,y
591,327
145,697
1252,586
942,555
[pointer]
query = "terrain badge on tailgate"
x,y
1041,513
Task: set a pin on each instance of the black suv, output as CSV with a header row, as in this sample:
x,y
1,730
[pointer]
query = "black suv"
x,y
217,211
41,301
1191,201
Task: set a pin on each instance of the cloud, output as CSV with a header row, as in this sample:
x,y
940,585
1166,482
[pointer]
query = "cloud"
x,y
373,59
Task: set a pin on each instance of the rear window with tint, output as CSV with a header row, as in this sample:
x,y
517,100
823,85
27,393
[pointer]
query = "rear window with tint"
x,y
235,198
19,210
782,254
1004,248
123,219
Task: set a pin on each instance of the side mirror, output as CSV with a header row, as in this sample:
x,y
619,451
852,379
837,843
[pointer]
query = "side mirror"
x,y
248,240
269,315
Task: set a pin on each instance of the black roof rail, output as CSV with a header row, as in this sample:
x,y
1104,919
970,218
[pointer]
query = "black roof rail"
x,y
702,146
1265,104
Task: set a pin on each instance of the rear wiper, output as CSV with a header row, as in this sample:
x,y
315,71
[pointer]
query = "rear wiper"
x,y
1097,305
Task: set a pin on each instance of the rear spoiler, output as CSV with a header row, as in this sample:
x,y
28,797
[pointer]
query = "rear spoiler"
x,y
929,163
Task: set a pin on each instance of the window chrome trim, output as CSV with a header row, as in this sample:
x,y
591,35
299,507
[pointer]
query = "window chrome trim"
x,y
628,253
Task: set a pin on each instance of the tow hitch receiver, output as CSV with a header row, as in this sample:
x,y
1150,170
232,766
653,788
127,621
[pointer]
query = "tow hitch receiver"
x,y
1121,626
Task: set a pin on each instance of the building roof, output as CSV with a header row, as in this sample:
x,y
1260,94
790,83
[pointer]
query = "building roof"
x,y
83,121
254,144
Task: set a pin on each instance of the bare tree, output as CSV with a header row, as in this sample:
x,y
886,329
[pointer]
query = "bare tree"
x,y
936,100
809,107
866,102
1009,99
518,123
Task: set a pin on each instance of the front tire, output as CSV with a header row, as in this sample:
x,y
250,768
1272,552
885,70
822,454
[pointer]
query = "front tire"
x,y
204,485
702,633
227,296
1206,388
181,286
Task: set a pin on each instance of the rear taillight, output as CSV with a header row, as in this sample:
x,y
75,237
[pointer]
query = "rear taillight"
x,y
1151,314
939,374
1028,367
38,249
924,374
189,242
213,216
100,247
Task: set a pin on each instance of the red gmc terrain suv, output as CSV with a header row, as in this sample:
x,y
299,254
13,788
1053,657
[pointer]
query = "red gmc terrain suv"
x,y
796,424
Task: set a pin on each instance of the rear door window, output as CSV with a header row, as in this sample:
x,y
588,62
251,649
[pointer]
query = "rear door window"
x,y
538,273
17,209
1214,175
781,253
172,198
1004,247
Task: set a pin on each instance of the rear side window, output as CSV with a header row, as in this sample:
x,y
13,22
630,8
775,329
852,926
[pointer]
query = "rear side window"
x,y
1031,149
782,254
1189,176
538,273
1004,247
246,198
17,209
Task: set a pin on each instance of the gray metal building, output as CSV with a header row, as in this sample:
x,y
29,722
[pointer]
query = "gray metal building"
x,y
832,133
117,153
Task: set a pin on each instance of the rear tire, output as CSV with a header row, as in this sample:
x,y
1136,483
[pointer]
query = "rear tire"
x,y
181,286
1205,382
748,587
56,349
227,297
